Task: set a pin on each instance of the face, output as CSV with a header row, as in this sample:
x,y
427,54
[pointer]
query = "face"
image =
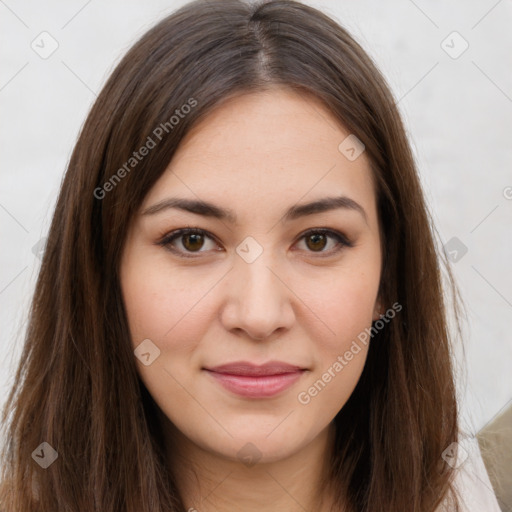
x,y
276,291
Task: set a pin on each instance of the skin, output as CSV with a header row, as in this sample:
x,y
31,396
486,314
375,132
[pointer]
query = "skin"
x,y
300,301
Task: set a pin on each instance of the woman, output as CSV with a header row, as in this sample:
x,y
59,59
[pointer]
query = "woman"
x,y
240,304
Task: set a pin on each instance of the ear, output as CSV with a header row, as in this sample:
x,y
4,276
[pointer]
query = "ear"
x,y
377,311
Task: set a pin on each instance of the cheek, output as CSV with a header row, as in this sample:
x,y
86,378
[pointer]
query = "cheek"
x,y
345,307
344,304
160,304
170,310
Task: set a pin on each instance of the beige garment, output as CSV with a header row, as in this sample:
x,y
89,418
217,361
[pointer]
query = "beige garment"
x,y
495,441
472,482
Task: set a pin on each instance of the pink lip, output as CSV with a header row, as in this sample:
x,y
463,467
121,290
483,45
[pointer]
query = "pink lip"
x,y
249,380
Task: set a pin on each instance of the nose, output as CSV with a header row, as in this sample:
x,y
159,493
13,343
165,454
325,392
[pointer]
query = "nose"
x,y
258,301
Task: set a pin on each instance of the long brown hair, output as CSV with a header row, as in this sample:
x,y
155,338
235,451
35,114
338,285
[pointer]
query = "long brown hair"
x,y
77,388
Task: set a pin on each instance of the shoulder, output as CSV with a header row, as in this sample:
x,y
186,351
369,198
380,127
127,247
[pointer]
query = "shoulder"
x,y
471,481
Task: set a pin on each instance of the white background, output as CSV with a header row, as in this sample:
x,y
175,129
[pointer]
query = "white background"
x,y
458,112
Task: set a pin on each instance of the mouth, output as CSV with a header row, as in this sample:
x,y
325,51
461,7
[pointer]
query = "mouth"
x,y
256,381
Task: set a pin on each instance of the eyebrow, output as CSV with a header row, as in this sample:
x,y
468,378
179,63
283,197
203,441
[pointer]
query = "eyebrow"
x,y
294,212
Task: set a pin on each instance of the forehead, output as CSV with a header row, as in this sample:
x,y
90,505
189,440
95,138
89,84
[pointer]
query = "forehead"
x,y
267,148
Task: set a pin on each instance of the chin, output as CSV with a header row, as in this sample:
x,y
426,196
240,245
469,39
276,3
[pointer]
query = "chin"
x,y
258,444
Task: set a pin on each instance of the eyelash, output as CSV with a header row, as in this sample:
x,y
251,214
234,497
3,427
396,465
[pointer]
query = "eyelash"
x,y
173,235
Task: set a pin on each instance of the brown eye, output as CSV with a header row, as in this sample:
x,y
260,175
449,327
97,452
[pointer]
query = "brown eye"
x,y
192,241
188,241
316,241
325,242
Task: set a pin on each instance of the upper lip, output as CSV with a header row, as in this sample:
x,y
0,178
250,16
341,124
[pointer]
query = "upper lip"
x,y
253,370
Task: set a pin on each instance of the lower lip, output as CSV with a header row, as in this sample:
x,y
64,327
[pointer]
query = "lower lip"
x,y
256,387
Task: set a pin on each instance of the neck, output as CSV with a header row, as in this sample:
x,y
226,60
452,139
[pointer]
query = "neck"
x,y
209,482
